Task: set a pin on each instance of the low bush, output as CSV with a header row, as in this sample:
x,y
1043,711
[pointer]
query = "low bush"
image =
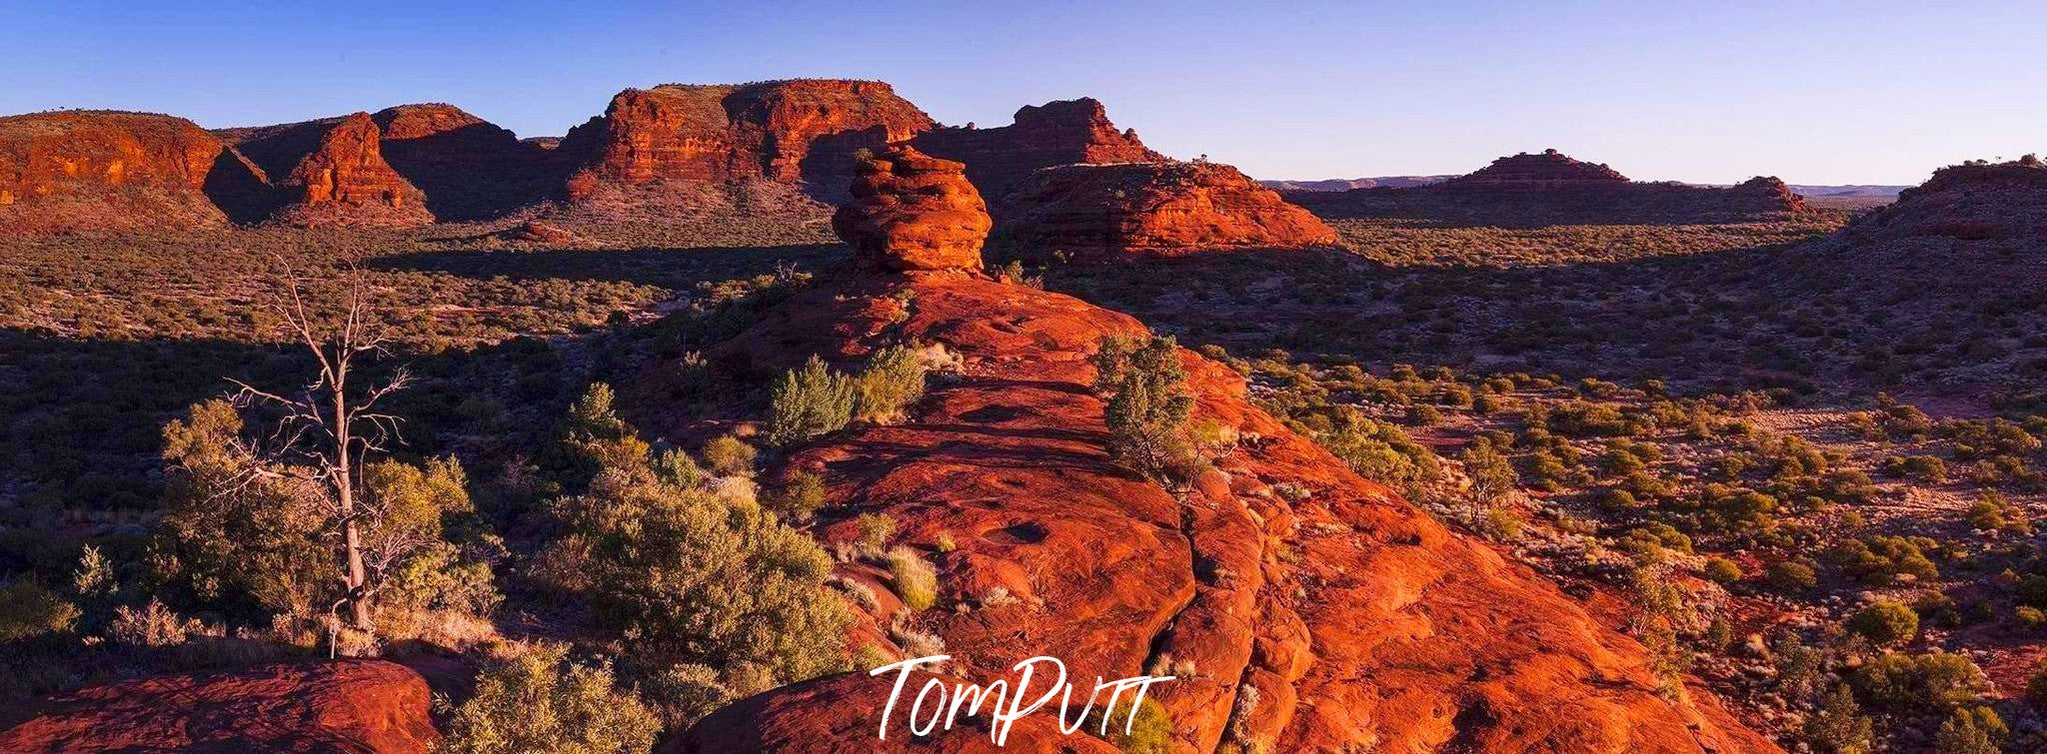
x,y
535,700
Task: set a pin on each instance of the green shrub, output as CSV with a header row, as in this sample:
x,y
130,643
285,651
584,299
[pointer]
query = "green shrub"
x,y
1886,623
1839,726
1968,732
1882,559
28,610
913,578
1722,571
1929,469
692,576
875,529
1148,731
808,402
2036,686
799,496
892,380
538,701
729,456
1792,576
1937,680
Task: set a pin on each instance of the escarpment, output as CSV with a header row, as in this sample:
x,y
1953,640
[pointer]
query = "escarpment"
x,y
332,172
1300,606
802,130
114,171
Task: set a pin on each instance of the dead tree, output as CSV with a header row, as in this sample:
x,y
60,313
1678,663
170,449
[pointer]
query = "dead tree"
x,y
329,426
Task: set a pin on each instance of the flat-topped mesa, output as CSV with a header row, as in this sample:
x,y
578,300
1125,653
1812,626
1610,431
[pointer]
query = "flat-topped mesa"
x,y
1549,169
100,170
1062,132
332,172
911,212
798,130
1164,208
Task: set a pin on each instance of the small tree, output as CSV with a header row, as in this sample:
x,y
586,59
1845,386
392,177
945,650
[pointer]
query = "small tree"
x,y
1491,475
1839,726
332,423
1148,404
808,402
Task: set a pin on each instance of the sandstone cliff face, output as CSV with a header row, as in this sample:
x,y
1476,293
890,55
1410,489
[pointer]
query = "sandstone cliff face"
x,y
332,172
98,171
799,130
1056,133
468,168
1306,608
350,705
910,211
1155,207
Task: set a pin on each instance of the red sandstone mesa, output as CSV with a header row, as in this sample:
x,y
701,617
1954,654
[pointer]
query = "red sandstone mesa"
x,y
332,172
911,211
1157,207
99,170
1306,608
1062,132
345,706
787,131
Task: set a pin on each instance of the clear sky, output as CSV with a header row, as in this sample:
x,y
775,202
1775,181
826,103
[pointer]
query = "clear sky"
x,y
1815,91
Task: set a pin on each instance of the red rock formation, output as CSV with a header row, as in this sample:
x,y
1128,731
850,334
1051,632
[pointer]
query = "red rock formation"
x,y
98,170
913,212
1354,620
1157,207
1056,133
345,706
1550,169
798,130
333,173
468,168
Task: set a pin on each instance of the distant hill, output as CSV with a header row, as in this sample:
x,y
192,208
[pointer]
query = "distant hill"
x,y
1809,191
1346,184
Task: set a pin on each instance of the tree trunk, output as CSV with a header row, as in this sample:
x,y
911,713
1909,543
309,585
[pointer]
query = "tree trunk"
x,y
351,535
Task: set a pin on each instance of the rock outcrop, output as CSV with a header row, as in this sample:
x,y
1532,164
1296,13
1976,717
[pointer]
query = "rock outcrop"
x,y
332,172
468,168
112,171
799,130
1062,132
910,211
1550,188
1154,207
1303,607
344,706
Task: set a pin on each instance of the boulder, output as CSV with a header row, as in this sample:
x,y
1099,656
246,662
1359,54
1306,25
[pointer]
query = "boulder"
x,y
83,170
913,212
1056,133
340,706
1156,207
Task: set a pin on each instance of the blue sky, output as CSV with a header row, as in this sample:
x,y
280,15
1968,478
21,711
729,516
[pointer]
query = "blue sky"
x,y
1816,92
